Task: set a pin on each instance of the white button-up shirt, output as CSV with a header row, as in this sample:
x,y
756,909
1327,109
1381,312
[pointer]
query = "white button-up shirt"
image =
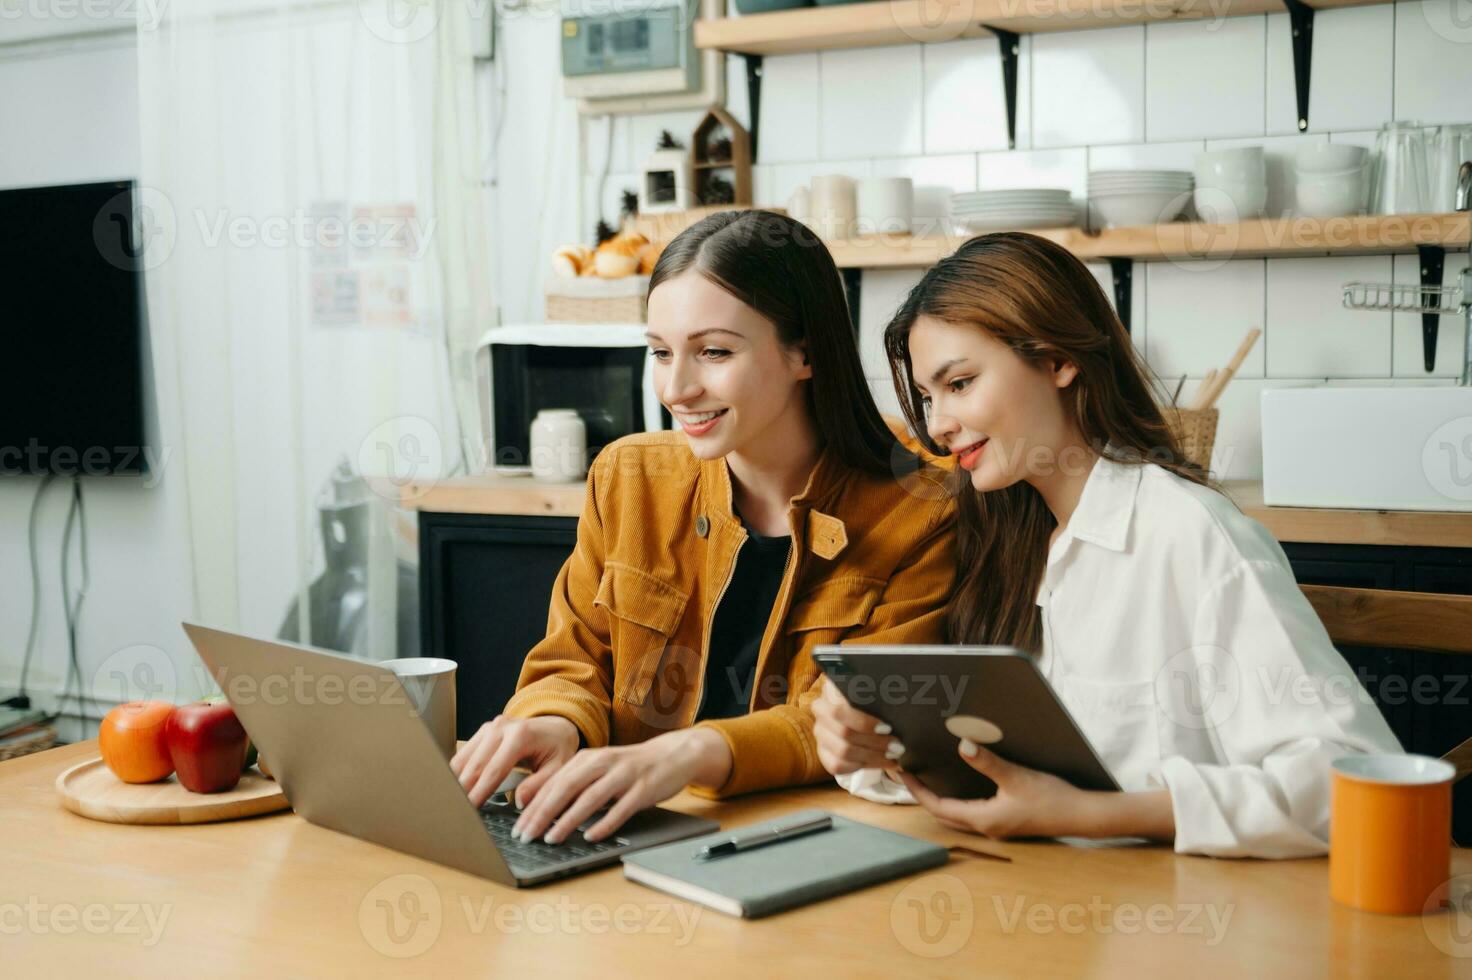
x,y
1176,636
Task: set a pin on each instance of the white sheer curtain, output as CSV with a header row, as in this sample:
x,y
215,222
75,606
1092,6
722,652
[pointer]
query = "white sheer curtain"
x,y
318,275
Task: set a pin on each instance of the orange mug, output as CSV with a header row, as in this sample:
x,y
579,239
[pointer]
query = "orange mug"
x,y
1390,832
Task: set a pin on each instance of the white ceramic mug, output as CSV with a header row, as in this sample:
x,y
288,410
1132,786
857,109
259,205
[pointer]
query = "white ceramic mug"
x,y
429,683
559,446
833,206
886,205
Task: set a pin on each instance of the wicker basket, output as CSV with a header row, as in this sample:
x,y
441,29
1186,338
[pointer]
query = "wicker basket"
x,y
589,299
1196,432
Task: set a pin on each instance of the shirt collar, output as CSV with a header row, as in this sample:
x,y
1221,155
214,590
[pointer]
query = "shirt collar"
x,y
1107,505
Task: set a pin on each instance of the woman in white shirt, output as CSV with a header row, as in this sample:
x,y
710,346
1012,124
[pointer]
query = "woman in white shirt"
x,y
1168,622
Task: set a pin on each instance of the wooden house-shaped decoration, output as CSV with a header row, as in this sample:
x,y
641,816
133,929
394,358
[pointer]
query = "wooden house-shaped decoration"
x,y
721,160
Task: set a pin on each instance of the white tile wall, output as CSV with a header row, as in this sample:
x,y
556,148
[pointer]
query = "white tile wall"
x,y
1433,60
1311,334
1205,78
1129,97
1198,314
789,108
965,107
1351,73
1088,87
872,102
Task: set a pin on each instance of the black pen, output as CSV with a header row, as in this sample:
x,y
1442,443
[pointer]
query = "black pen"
x,y
760,838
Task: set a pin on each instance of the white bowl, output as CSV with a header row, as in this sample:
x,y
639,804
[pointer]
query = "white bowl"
x,y
1243,163
1128,185
1133,176
1321,196
1231,203
1329,158
1130,210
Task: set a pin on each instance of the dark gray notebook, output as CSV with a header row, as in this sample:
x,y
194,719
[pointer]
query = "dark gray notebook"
x,y
786,874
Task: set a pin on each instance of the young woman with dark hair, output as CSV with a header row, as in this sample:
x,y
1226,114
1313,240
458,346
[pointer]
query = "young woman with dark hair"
x,y
1168,622
710,562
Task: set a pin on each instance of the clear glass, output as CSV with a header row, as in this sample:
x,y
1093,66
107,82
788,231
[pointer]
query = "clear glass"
x,y
1449,148
1400,176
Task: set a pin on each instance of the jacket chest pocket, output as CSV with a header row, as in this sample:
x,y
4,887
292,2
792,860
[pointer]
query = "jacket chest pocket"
x,y
822,615
644,613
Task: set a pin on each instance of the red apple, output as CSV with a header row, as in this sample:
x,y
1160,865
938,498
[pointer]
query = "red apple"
x,y
207,745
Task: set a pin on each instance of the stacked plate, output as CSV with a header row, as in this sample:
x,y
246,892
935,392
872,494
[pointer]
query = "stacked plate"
x,y
1125,198
982,211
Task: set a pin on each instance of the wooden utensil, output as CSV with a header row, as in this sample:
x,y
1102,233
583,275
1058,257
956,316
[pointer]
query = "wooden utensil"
x,y
1213,389
91,790
1198,403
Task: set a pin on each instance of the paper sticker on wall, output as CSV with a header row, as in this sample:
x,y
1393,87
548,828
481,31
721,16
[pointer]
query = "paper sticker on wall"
x,y
334,297
385,297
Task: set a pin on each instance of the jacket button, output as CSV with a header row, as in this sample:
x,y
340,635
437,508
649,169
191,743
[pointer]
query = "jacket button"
x,y
702,526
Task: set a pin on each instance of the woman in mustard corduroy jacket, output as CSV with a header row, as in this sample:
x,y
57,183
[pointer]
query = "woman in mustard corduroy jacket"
x,y
710,561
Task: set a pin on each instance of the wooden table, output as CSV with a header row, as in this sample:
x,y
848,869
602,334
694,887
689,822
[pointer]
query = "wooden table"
x,y
275,895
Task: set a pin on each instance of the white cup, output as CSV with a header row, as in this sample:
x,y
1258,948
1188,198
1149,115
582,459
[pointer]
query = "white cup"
x,y
833,206
429,683
886,205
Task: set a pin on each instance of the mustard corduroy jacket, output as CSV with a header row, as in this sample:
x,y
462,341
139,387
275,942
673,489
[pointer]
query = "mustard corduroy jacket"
x,y
629,625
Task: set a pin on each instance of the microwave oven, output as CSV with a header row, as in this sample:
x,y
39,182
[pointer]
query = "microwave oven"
x,y
602,371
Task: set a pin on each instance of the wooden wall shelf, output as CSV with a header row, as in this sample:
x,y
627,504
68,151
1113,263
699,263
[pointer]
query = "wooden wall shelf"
x,y
1365,234
860,25
1183,241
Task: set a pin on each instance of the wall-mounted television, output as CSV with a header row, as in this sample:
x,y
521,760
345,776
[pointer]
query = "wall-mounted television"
x,y
72,331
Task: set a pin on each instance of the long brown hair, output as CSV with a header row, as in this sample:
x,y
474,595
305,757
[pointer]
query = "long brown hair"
x,y
781,269
1037,298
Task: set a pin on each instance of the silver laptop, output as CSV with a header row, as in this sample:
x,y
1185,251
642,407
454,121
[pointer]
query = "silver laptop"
x,y
343,740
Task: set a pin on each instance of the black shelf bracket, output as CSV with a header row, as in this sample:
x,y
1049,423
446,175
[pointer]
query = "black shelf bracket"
x,y
853,284
1011,47
1124,275
1301,21
754,97
1433,264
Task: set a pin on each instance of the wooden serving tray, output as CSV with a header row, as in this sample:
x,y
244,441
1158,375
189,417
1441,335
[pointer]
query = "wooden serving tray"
x,y
91,790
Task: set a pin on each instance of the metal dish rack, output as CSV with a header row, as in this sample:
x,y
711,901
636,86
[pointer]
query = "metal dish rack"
x,y
1426,300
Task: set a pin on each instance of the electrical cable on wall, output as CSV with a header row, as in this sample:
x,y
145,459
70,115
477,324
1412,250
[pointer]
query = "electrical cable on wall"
x,y
76,513
22,699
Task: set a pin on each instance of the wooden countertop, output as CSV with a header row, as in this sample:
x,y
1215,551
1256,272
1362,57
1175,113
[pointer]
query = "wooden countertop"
x,y
275,894
497,494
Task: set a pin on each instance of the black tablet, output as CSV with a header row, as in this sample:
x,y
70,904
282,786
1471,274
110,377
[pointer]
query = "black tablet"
x,y
932,696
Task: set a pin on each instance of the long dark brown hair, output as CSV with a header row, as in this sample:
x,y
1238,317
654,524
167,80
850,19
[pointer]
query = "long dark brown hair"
x,y
1037,298
781,269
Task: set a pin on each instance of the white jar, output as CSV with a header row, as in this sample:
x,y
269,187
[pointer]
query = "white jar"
x,y
559,446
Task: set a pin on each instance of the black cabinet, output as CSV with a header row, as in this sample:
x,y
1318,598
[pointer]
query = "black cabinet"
x,y
1426,697
484,586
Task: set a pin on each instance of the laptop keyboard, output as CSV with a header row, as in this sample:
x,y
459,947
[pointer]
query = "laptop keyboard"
x,y
538,855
